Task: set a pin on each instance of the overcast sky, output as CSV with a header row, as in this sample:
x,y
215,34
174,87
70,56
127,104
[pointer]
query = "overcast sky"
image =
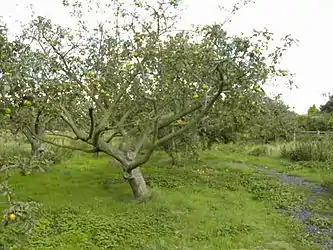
x,y
307,20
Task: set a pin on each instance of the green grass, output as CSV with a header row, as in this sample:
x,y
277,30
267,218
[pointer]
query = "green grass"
x,y
212,205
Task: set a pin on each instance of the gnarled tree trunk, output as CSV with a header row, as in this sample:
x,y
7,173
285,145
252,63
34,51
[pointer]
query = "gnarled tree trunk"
x,y
36,147
138,185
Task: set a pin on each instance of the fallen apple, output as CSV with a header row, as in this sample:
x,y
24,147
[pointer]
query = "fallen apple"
x,y
12,217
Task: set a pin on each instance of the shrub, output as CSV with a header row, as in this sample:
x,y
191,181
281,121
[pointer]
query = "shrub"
x,y
261,151
56,154
309,151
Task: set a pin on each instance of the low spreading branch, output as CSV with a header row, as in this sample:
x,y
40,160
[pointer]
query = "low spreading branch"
x,y
92,123
67,118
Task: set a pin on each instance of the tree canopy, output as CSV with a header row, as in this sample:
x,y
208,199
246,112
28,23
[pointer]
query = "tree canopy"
x,y
328,106
117,86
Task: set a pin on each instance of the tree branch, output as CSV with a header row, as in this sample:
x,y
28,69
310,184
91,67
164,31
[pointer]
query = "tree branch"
x,y
112,151
112,136
185,128
92,123
63,135
67,146
68,119
39,113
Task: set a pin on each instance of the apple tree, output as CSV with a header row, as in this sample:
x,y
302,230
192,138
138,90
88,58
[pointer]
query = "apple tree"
x,y
137,76
25,96
273,122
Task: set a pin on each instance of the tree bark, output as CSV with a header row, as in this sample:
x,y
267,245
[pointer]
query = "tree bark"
x,y
36,147
138,185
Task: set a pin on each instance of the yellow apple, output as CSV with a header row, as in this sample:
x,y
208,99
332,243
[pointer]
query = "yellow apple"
x,y
8,111
138,4
107,95
27,103
253,103
284,73
205,87
7,116
257,50
135,54
12,217
102,91
53,43
257,88
179,121
137,38
196,96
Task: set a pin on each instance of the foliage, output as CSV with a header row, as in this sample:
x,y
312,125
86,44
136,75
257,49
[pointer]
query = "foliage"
x,y
312,110
182,148
315,122
328,106
138,78
24,98
17,215
273,122
26,212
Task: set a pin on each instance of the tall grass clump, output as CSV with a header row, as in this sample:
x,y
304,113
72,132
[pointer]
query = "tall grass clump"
x,y
319,150
263,150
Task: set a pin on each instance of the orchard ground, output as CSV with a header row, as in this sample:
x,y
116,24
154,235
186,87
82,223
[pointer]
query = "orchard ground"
x,y
222,202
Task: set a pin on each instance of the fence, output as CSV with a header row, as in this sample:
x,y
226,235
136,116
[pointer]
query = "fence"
x,y
318,133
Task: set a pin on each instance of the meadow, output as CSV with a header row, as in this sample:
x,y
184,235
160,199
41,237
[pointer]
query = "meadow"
x,y
235,197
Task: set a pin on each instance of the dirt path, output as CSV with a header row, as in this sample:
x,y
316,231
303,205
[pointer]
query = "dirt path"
x,y
303,215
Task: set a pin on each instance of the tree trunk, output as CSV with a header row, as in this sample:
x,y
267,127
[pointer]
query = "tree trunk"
x,y
36,148
36,145
138,185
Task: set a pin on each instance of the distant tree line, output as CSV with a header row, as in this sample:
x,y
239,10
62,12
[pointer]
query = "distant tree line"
x,y
318,119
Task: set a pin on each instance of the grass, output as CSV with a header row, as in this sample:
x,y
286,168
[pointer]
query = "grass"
x,y
212,205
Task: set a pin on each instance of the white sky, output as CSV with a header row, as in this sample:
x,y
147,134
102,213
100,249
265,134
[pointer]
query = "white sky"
x,y
310,21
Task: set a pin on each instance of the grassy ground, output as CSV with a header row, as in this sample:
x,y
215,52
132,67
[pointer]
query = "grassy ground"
x,y
212,205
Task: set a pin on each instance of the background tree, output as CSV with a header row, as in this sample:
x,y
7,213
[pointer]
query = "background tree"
x,y
312,110
328,106
24,91
273,122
